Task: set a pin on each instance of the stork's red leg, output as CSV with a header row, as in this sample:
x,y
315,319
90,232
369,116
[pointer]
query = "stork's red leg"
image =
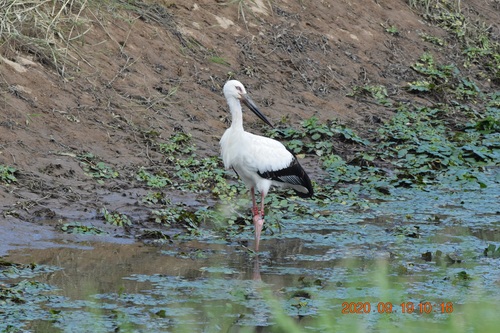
x,y
255,210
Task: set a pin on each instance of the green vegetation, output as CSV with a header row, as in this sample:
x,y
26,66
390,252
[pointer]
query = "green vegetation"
x,y
116,218
153,180
432,39
219,60
178,144
415,142
481,52
7,174
95,168
492,251
154,198
443,80
78,228
378,92
176,215
393,30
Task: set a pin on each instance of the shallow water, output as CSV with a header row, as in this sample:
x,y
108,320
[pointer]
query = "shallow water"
x,y
417,247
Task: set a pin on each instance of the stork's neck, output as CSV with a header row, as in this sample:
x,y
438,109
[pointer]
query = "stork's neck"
x,y
236,113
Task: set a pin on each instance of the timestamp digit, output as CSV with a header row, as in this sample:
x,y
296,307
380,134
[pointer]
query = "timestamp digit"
x,y
361,307
425,307
447,307
353,307
407,307
384,307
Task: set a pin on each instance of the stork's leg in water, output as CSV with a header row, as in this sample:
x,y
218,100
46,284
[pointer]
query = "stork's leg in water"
x,y
258,222
258,218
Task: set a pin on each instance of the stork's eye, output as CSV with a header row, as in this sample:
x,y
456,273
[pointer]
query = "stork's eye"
x,y
239,89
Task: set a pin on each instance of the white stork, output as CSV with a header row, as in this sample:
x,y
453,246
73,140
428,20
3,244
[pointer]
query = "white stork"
x,y
259,161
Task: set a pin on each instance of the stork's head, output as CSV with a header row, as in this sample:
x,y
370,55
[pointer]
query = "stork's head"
x,y
234,89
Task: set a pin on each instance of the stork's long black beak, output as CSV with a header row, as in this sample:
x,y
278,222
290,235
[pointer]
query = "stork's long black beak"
x,y
251,105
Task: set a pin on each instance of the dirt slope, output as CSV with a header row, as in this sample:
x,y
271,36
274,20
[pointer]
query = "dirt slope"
x,y
159,67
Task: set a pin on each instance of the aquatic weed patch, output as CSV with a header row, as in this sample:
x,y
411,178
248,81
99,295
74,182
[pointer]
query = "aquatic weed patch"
x,y
418,146
10,270
22,301
422,259
115,218
421,147
79,228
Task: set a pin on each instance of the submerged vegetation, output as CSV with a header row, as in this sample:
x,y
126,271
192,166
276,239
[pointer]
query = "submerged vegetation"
x,y
423,268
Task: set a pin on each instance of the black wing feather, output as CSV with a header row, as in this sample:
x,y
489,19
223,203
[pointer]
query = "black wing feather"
x,y
294,174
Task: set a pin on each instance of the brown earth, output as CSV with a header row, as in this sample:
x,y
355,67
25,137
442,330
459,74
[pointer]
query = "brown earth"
x,y
160,67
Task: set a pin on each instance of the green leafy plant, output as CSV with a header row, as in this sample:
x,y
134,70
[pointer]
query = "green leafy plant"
x,y
489,124
156,181
95,168
177,215
178,143
188,171
378,92
78,228
165,215
427,66
443,80
7,174
154,198
422,148
432,39
421,86
317,137
348,134
492,251
197,174
116,218
393,30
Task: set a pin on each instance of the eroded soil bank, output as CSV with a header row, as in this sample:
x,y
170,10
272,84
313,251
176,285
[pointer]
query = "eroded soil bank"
x,y
82,126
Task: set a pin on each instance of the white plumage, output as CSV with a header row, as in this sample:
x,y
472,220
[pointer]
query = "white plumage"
x,y
259,161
